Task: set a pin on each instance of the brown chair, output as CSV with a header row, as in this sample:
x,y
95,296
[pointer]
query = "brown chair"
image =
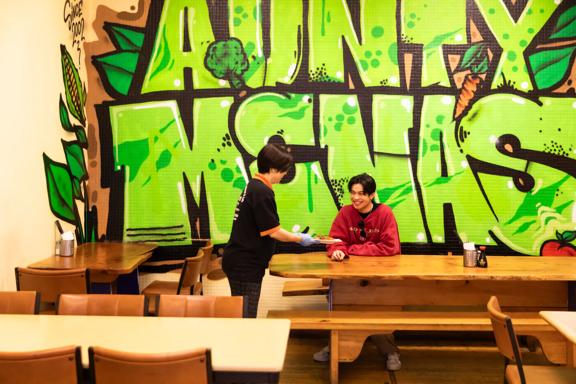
x,y
188,284
116,367
515,371
22,302
59,366
200,306
103,305
50,283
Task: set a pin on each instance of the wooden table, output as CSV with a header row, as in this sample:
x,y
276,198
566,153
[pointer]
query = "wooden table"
x,y
436,283
520,282
250,350
565,323
107,261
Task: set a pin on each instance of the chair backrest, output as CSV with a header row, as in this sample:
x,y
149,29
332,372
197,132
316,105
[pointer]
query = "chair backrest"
x,y
505,336
207,250
190,273
116,367
21,302
200,306
53,282
59,366
102,305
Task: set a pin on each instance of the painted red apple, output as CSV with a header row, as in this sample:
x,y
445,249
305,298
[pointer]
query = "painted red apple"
x,y
561,246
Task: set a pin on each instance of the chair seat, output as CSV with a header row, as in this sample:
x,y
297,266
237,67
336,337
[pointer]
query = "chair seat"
x,y
541,374
160,287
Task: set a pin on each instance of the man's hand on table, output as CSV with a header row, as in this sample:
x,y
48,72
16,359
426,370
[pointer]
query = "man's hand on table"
x,y
338,255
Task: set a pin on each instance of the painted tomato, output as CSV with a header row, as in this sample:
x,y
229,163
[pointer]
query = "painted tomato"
x,y
561,246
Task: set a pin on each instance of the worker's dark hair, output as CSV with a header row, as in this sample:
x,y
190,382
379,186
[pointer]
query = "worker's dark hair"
x,y
366,181
274,156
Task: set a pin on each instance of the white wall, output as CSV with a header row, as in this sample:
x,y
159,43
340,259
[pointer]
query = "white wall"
x,y
30,36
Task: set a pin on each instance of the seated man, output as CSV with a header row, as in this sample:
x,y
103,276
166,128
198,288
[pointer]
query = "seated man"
x,y
366,228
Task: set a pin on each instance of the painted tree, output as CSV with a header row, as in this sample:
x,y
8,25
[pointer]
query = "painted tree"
x,y
227,60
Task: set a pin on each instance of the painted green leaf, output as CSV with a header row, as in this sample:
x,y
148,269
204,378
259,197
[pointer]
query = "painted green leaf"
x,y
75,91
59,184
568,236
550,66
81,136
76,164
482,67
473,57
75,159
565,27
125,38
64,118
117,70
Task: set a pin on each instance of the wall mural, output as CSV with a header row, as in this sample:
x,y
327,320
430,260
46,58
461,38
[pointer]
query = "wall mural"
x,y
463,111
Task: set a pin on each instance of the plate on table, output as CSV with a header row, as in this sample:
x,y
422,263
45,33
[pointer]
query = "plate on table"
x,y
328,240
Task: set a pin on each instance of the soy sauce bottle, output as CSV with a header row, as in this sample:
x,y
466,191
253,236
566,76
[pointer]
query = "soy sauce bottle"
x,y
482,261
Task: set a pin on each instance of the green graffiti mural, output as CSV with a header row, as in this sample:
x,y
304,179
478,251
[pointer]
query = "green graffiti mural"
x,y
66,182
462,111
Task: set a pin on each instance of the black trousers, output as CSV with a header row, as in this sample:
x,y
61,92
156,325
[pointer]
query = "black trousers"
x,y
251,293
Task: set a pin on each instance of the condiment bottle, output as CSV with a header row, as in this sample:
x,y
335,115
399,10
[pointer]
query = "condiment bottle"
x,y
482,260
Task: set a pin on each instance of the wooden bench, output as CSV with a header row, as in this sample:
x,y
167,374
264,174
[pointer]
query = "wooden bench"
x,y
349,329
305,287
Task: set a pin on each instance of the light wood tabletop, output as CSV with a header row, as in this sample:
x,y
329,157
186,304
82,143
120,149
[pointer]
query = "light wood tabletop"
x,y
565,323
423,267
101,257
237,345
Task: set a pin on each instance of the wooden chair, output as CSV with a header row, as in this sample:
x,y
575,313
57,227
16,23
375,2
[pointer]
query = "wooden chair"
x,y
58,366
200,306
515,371
116,367
103,305
188,284
21,302
50,283
207,264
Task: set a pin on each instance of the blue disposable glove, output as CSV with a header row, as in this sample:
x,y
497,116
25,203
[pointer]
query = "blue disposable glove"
x,y
307,240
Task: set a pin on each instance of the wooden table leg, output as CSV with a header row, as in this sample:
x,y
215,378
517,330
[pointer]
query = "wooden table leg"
x,y
570,354
334,357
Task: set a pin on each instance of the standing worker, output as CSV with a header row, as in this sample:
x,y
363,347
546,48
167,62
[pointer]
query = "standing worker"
x,y
255,228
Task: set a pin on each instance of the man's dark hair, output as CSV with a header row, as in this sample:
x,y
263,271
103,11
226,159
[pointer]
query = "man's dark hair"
x,y
274,156
365,180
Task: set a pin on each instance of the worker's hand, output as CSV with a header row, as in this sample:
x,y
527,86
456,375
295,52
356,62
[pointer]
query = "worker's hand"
x,y
338,255
306,240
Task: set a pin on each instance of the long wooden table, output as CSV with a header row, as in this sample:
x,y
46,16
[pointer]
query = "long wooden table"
x,y
243,350
435,283
107,261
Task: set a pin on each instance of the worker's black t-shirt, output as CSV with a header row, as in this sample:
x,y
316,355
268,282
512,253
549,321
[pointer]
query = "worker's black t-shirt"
x,y
250,247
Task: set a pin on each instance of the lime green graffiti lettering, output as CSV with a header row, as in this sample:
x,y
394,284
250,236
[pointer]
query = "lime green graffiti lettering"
x,y
268,114
551,132
457,185
249,32
326,63
286,40
148,184
517,37
393,118
442,24
168,59
226,178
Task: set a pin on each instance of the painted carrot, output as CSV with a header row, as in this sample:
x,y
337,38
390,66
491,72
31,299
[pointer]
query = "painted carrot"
x,y
475,60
